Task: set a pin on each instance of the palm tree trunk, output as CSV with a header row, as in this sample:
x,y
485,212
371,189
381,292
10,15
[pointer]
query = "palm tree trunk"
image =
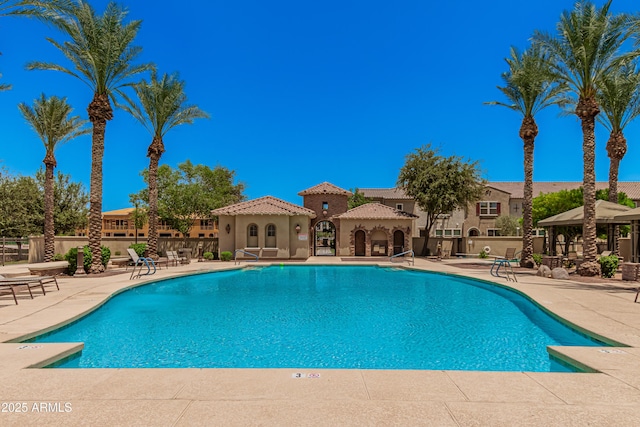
x,y
587,110
154,153
616,149
99,112
49,231
528,133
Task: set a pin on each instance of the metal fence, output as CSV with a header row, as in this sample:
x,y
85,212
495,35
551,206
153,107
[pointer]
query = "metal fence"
x,y
119,245
14,249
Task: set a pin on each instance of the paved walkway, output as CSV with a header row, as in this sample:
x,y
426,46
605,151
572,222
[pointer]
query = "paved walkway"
x,y
185,397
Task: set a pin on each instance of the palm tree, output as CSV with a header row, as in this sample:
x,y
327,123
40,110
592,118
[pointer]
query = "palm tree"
x,y
530,87
619,97
102,56
161,108
50,119
586,49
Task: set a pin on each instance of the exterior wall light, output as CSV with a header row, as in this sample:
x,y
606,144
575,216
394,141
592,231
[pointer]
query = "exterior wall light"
x,y
228,228
297,228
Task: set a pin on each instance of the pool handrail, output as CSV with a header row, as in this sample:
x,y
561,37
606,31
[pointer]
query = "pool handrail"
x,y
145,262
410,251
235,255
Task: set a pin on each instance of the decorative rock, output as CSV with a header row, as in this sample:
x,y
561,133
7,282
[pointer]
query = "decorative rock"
x,y
560,273
589,269
544,271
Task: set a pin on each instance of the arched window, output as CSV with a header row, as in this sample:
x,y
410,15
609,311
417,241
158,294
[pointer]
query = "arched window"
x,y
270,240
252,236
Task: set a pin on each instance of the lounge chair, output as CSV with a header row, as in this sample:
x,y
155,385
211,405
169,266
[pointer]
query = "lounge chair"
x,y
175,258
139,261
11,288
509,254
29,282
172,259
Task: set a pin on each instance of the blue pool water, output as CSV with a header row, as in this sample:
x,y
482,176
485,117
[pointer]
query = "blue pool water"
x,y
319,317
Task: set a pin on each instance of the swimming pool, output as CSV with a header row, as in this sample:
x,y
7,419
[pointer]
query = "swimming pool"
x,y
349,317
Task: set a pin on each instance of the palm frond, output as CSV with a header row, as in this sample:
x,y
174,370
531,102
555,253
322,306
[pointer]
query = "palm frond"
x,y
43,10
619,97
98,47
162,105
50,118
530,85
587,46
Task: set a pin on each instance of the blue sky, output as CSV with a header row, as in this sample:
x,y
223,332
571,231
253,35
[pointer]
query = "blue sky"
x,y
305,92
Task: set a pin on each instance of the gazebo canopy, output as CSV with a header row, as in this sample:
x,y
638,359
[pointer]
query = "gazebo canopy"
x,y
633,214
606,213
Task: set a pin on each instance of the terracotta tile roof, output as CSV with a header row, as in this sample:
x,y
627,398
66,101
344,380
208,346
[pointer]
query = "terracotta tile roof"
x,y
516,189
267,205
324,188
384,193
375,211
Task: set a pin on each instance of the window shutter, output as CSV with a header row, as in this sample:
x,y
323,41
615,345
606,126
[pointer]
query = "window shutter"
x,y
498,208
478,209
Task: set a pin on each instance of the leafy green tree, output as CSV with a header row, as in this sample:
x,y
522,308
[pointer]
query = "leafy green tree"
x,y
586,48
21,206
140,214
70,203
549,204
102,56
357,199
51,119
439,184
508,225
192,191
529,88
161,107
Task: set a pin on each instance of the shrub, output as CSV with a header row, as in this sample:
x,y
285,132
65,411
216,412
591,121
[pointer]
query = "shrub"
x,y
208,256
72,258
226,256
483,254
58,257
608,265
116,253
537,258
140,248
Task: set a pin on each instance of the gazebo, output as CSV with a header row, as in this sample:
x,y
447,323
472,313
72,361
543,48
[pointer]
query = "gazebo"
x,y
633,216
606,213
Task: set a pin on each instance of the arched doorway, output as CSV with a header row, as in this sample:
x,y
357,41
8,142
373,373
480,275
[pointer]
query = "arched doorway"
x,y
360,243
398,242
325,239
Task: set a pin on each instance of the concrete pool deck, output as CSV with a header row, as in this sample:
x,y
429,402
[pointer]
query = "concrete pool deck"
x,y
186,397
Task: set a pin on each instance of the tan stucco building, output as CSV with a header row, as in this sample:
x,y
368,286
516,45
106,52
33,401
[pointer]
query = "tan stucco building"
x,y
266,227
272,228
